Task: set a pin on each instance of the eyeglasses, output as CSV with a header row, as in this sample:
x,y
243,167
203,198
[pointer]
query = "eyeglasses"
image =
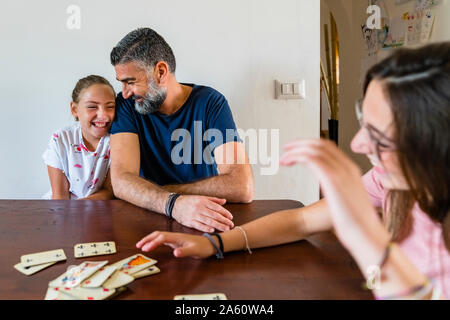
x,y
381,141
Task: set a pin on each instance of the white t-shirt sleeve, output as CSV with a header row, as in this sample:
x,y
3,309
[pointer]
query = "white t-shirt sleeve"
x,y
52,155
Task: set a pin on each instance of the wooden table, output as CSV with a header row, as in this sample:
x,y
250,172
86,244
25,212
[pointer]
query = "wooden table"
x,y
317,268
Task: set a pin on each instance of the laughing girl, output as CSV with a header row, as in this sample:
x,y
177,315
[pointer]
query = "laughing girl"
x,y
77,157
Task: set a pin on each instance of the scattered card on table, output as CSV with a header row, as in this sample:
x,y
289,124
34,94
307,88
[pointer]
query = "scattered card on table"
x,y
34,259
55,294
146,272
117,279
134,264
117,292
33,269
81,293
74,276
207,296
82,250
98,278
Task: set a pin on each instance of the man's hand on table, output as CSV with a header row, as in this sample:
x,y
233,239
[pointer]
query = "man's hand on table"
x,y
202,213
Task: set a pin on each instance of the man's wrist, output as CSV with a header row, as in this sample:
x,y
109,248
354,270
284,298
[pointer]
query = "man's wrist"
x,y
170,203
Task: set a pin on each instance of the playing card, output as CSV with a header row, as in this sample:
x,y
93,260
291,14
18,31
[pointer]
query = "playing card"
x,y
55,294
207,296
117,279
117,292
74,276
98,278
134,264
81,293
33,269
82,250
42,257
146,272
52,294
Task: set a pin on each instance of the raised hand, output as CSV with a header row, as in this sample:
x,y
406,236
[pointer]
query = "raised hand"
x,y
340,180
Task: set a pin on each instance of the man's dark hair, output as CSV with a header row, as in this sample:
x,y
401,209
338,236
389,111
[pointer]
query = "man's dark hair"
x,y
143,46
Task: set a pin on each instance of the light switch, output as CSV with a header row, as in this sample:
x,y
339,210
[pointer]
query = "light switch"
x,y
286,88
297,88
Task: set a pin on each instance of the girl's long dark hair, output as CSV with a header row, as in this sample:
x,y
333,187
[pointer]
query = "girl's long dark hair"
x,y
417,84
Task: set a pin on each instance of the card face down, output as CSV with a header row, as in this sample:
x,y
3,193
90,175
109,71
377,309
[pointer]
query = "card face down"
x,y
74,276
82,250
134,264
34,259
207,296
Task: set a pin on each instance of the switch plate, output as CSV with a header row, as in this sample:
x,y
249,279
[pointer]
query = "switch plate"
x,y
286,89
289,89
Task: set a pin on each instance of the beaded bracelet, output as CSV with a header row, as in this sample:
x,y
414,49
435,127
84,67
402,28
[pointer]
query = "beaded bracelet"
x,y
246,240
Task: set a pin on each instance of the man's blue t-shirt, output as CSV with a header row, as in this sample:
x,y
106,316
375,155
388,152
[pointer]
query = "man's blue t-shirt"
x,y
178,148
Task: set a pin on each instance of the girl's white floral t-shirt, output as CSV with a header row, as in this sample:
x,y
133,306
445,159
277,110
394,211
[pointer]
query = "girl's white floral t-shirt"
x,y
85,170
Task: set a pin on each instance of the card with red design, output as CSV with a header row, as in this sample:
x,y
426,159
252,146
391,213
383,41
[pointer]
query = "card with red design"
x,y
81,293
75,275
134,264
117,279
98,278
146,272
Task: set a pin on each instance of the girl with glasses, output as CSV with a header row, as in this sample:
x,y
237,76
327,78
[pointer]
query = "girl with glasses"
x,y
405,133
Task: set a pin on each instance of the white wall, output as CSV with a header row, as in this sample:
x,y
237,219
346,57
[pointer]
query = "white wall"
x,y
238,47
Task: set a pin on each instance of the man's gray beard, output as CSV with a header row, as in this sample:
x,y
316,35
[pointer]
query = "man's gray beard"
x,y
152,101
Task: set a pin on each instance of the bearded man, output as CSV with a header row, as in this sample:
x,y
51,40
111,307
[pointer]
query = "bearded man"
x,y
163,156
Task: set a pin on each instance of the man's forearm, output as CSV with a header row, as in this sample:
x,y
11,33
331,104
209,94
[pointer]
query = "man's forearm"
x,y
226,186
140,192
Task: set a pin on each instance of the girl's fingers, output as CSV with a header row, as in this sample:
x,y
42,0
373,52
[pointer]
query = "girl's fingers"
x,y
158,238
146,239
325,167
324,149
153,244
184,245
300,142
297,155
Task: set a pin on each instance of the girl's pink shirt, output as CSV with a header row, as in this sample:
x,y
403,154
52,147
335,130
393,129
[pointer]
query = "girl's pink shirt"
x,y
425,245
